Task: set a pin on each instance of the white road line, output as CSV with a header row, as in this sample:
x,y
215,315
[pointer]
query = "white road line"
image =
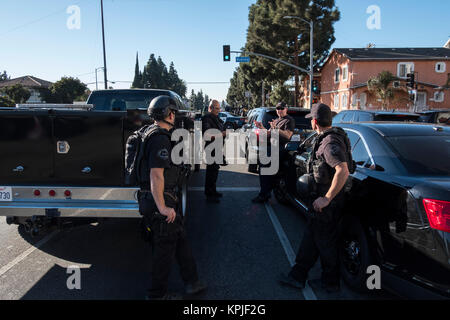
x,y
26,253
308,293
226,189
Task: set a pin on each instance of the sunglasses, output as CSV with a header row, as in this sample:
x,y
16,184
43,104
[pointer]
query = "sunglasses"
x,y
280,108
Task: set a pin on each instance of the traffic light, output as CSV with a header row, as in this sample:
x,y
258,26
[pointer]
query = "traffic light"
x,y
226,53
315,100
410,80
315,87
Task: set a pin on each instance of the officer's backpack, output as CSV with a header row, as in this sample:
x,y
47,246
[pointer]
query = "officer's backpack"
x,y
136,168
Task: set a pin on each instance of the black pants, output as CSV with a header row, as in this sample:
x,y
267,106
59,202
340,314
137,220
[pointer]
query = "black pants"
x,y
267,182
212,172
320,240
169,242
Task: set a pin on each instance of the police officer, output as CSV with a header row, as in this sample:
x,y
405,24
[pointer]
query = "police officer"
x,y
286,126
211,120
328,170
159,203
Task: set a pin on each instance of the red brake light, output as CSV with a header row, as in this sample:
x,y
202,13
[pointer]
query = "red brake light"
x,y
67,193
438,213
37,193
52,193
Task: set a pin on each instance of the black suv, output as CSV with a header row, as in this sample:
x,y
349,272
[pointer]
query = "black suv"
x,y
350,116
397,211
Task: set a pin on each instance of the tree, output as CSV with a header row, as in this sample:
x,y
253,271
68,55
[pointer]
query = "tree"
x,y
6,102
17,93
137,82
4,76
381,86
279,93
65,90
268,33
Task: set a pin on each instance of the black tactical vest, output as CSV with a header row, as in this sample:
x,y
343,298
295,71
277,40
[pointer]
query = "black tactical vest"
x,y
317,166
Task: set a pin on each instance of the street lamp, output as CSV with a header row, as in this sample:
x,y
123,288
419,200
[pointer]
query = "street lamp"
x,y
311,54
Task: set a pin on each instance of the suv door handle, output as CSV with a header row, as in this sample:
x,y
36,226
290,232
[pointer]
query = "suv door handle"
x,y
86,170
18,169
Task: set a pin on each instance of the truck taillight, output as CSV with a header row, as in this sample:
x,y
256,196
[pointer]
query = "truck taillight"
x,y
438,213
67,193
37,193
52,193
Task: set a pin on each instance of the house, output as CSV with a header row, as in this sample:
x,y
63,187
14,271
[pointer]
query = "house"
x,y
31,83
343,78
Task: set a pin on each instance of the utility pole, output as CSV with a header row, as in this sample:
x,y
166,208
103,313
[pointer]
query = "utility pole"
x,y
104,49
296,72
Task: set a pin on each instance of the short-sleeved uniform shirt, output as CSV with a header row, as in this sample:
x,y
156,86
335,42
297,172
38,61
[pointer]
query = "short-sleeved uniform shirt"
x,y
159,148
284,123
333,149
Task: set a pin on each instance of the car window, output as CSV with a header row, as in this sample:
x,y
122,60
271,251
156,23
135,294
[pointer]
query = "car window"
x,y
423,155
397,117
360,154
348,116
443,118
353,137
363,116
121,100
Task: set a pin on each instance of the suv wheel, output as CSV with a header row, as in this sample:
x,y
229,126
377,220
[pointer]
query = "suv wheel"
x,y
354,255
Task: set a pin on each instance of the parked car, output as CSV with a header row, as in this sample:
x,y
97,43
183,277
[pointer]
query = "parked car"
x,y
397,210
231,121
350,116
435,116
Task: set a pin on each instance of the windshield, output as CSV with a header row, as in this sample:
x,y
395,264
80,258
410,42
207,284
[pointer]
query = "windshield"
x,y
424,155
121,101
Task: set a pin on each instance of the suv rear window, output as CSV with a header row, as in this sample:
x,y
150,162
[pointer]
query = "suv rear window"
x,y
123,100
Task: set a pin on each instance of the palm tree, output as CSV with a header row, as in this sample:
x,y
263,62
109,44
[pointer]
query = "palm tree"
x,y
381,86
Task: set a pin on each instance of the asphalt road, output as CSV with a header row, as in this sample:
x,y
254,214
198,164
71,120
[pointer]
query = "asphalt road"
x,y
240,249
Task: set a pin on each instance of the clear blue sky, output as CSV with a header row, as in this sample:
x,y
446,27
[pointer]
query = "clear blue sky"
x,y
36,41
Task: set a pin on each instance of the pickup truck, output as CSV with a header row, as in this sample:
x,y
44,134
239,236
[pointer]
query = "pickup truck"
x,y
62,163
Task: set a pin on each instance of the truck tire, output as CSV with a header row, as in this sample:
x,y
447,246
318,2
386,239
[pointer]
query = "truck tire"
x,y
354,255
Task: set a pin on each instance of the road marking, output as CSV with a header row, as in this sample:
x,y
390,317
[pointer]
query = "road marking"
x,y
308,293
226,189
26,253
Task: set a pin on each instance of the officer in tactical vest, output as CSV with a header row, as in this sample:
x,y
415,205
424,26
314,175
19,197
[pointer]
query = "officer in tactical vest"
x,y
159,203
328,170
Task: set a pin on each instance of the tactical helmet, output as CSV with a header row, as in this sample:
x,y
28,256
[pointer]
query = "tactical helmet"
x,y
305,185
161,106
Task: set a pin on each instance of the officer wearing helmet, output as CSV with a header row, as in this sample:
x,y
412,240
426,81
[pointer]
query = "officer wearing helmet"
x,y
328,169
159,203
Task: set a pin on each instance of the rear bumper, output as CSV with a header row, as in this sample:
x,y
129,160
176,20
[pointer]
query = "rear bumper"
x,y
84,202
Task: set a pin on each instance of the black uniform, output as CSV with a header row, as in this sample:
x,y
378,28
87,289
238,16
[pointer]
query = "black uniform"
x,y
210,121
168,239
267,181
321,234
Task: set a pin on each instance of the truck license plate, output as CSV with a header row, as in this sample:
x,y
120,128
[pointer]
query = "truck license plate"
x,y
6,194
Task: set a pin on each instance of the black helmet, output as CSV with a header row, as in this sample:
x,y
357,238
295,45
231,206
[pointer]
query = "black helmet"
x,y
305,185
161,106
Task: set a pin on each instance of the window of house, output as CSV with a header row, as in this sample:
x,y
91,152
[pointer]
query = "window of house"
x,y
440,67
345,73
337,75
344,100
336,101
354,102
404,68
363,100
439,96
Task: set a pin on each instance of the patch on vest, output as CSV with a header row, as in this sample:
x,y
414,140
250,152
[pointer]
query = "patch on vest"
x,y
163,154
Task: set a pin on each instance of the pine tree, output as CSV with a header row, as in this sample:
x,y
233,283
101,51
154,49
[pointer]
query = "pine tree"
x,y
137,82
